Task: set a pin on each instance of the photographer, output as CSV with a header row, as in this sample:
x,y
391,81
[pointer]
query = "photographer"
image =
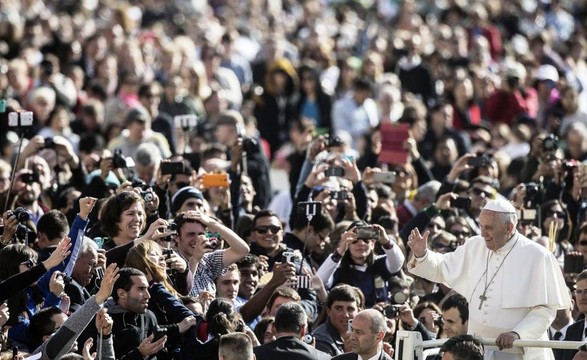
x,y
513,99
228,131
355,263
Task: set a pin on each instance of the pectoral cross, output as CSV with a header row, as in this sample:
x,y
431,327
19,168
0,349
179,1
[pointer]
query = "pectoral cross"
x,y
482,297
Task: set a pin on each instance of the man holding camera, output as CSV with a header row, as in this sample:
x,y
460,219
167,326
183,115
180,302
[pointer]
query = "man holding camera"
x,y
504,302
513,99
197,239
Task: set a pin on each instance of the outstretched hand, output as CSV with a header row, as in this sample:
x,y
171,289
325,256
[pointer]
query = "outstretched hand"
x,y
418,242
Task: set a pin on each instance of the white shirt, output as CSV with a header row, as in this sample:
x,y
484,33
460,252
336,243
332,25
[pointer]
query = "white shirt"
x,y
514,302
562,330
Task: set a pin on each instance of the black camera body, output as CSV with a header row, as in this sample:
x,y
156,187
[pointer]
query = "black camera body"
x,y
249,144
66,279
533,194
391,312
29,178
21,214
49,143
118,160
550,143
147,196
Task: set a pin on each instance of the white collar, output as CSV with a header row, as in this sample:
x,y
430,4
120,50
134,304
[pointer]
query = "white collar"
x,y
508,245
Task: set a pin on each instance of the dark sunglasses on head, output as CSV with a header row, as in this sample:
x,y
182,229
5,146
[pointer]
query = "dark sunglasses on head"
x,y
29,263
263,229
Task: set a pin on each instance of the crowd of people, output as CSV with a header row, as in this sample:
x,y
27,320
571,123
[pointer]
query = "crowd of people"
x,y
137,140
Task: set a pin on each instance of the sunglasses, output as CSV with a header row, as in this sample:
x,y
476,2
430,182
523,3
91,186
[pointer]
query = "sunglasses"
x,y
583,242
480,192
556,214
366,241
29,264
263,229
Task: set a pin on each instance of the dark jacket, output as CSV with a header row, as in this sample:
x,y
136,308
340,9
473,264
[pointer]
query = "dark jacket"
x,y
353,356
328,340
288,348
18,282
574,333
77,295
130,329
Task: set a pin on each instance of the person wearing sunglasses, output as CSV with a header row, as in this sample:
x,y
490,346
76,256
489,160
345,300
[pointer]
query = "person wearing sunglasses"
x,y
355,263
555,216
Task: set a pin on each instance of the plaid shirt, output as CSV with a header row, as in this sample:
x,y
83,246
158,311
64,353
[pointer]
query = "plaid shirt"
x,y
209,268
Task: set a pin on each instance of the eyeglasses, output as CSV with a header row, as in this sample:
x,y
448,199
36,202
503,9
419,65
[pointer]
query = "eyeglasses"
x,y
583,242
580,292
556,214
29,263
263,229
480,192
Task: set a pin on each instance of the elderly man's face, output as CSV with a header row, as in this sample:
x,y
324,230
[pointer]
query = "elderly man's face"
x,y
494,231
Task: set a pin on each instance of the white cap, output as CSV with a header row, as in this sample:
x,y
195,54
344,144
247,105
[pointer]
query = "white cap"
x,y
547,72
500,205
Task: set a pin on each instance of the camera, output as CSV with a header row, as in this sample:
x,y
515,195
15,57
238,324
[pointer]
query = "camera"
x,y
249,144
308,339
391,312
49,143
533,194
29,178
550,143
309,208
21,214
147,196
339,195
335,171
159,333
367,232
119,161
66,279
439,321
479,161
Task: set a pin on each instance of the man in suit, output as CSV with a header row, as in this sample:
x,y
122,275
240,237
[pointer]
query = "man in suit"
x,y
576,332
367,332
290,325
559,327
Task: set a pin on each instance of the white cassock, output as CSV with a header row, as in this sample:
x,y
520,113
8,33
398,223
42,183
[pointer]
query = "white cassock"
x,y
522,297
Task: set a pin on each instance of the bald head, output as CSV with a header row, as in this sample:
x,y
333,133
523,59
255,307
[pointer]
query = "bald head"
x,y
376,318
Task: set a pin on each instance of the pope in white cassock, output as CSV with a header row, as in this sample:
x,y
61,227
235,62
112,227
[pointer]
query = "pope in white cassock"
x,y
514,286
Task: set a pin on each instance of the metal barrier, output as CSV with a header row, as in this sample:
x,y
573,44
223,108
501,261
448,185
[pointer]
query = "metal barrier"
x,y
410,346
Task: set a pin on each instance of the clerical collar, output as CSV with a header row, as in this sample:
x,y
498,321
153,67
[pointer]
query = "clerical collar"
x,y
508,245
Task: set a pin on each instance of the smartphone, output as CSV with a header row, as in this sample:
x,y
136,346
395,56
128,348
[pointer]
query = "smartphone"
x,y
215,180
367,232
304,282
350,325
309,208
478,161
335,171
386,177
462,202
172,168
159,333
339,195
573,264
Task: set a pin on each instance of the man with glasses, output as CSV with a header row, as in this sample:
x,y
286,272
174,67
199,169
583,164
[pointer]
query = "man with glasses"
x,y
577,331
267,239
